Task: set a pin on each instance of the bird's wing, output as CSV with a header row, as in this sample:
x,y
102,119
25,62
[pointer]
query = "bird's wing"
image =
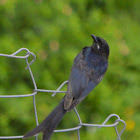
x,y
80,89
79,84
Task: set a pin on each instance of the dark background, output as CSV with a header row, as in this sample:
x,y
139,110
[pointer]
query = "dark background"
x,y
56,31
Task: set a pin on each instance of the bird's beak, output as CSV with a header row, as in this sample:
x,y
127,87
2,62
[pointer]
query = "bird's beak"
x,y
95,38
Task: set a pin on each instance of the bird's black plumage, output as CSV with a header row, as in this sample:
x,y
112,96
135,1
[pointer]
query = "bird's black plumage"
x,y
87,71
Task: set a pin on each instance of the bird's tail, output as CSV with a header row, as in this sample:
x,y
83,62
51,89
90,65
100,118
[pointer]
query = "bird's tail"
x,y
49,123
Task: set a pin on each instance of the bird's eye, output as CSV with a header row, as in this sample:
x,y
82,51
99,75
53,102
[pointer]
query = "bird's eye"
x,y
102,45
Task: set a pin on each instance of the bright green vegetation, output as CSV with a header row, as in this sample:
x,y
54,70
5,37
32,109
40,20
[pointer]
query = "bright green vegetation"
x,y
56,31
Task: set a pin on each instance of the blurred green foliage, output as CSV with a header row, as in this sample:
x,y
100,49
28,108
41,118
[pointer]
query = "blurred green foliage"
x,y
56,31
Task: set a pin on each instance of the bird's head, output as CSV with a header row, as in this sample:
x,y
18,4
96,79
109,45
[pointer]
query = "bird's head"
x,y
100,46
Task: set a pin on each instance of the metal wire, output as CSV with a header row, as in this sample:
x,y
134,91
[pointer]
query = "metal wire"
x,y
35,91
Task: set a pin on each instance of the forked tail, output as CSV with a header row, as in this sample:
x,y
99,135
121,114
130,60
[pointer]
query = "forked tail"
x,y
50,123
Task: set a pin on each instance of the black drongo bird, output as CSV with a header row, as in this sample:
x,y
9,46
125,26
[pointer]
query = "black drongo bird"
x,y
87,71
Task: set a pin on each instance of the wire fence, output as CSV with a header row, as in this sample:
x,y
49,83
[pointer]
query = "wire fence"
x,y
35,91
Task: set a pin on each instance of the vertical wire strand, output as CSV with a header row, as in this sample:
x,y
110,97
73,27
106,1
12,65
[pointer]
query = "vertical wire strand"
x,y
80,122
78,134
34,101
